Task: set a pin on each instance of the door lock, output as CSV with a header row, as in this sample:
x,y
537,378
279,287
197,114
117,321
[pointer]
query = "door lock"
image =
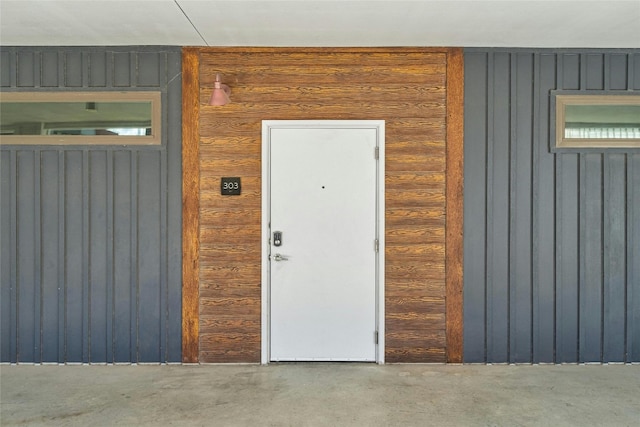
x,y
277,238
280,257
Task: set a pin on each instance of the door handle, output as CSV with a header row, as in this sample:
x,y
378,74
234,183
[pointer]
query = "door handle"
x,y
280,257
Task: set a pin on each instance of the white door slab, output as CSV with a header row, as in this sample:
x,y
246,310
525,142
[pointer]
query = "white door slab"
x,y
322,276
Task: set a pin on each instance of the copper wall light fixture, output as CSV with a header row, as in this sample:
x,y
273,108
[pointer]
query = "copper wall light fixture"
x,y
220,94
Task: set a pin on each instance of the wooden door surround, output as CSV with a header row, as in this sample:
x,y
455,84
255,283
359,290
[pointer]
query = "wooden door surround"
x,y
418,92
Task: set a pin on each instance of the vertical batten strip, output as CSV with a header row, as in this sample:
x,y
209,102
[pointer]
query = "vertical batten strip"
x,y
109,284
190,203
134,300
544,225
62,60
164,218
632,349
49,220
581,254
454,206
37,264
536,318
86,259
489,274
163,256
173,140
513,289
475,221
27,276
62,282
14,338
631,84
5,260
615,252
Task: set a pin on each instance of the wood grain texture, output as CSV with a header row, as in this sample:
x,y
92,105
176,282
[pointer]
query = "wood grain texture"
x,y
454,193
404,86
190,205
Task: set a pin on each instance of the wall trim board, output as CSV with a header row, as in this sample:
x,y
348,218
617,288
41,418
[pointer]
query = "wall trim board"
x,y
190,204
455,205
257,49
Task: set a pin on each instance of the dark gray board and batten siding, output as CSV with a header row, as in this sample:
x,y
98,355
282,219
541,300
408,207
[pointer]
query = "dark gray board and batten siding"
x,y
90,236
552,240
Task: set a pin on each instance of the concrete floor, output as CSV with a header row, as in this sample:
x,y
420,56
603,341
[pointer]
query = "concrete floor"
x,y
321,395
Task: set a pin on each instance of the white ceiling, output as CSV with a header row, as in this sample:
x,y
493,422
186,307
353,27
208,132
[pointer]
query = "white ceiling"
x,y
481,23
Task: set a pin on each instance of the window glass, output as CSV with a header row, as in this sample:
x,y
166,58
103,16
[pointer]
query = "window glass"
x,y
80,118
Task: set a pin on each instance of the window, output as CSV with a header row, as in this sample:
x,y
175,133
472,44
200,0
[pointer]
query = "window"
x,y
122,118
597,121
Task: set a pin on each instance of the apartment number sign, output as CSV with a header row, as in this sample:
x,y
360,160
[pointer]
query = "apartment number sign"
x,y
230,186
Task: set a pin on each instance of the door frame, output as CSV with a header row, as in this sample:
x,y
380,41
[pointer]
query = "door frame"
x,y
267,126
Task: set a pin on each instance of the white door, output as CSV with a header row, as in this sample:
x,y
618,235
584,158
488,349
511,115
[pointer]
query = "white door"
x,y
322,243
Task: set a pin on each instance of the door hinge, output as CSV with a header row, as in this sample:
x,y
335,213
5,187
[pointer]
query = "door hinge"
x,y
375,336
376,245
376,153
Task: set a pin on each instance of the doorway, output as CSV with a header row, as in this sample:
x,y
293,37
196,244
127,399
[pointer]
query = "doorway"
x,y
323,245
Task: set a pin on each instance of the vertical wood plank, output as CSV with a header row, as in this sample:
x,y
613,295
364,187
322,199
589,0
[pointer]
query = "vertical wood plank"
x,y
73,66
149,248
7,309
49,244
614,268
97,69
122,69
109,297
13,334
6,62
567,256
634,73
633,259
174,210
74,251
134,288
37,261
26,76
164,229
190,204
455,205
591,259
49,69
123,257
162,255
62,286
86,256
568,249
148,69
520,244
28,303
98,302
617,74
544,185
570,77
595,65
498,212
475,186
